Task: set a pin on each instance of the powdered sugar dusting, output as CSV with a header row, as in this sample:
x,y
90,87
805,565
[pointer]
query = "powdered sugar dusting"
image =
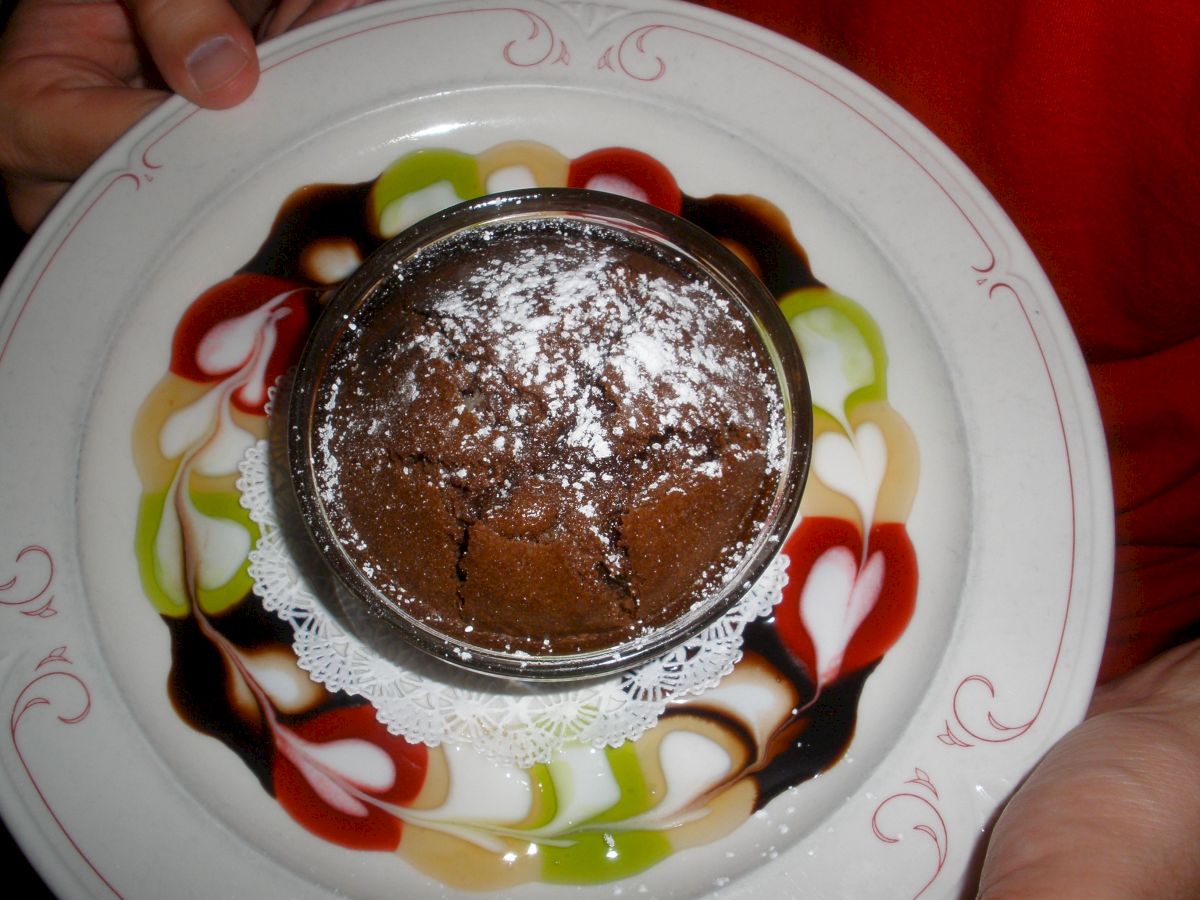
x,y
554,390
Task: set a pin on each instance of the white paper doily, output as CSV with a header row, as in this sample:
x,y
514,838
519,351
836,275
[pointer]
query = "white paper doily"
x,y
431,702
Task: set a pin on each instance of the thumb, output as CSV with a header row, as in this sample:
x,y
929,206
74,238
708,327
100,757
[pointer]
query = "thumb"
x,y
202,48
1113,809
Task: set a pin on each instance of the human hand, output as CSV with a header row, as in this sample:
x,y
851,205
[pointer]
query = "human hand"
x,y
1114,808
75,76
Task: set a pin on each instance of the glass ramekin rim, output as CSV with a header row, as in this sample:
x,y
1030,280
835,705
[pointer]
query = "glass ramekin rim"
x,y
538,205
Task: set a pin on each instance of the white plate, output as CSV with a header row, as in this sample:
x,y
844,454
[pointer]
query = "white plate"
x,y
106,788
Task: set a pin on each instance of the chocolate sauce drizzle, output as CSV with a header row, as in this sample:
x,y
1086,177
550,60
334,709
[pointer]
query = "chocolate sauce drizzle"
x,y
200,686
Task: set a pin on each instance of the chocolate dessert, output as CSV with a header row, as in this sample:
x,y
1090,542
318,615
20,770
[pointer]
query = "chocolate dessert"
x,y
548,439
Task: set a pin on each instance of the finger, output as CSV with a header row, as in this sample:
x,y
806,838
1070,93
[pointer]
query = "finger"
x,y
1113,809
202,48
30,201
1168,679
65,96
281,17
57,115
253,11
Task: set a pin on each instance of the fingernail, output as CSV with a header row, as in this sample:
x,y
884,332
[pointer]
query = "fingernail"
x,y
215,63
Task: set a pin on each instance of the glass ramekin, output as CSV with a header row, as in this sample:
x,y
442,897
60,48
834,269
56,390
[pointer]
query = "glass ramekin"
x,y
631,223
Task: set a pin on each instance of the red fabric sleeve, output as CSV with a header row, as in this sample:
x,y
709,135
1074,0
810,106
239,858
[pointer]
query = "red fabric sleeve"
x,y
1083,120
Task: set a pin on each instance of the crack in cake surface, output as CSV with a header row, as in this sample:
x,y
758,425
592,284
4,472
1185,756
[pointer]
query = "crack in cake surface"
x,y
595,432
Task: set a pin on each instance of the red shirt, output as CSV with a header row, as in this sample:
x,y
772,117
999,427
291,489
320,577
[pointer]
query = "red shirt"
x,y
1083,120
